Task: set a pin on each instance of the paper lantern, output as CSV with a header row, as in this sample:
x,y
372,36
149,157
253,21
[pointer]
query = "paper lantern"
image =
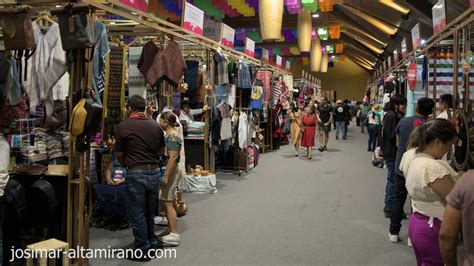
x,y
326,5
305,28
315,55
324,63
335,32
339,48
271,18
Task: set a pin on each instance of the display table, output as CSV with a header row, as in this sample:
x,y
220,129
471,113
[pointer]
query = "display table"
x,y
198,184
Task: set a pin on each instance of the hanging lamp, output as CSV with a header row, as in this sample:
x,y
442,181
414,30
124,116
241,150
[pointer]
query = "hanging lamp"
x,y
324,63
271,18
305,28
315,55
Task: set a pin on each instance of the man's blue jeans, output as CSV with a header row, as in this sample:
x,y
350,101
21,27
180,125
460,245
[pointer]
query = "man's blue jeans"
x,y
340,128
142,188
389,188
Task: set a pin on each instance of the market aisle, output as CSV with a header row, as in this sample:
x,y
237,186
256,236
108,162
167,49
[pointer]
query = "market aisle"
x,y
288,210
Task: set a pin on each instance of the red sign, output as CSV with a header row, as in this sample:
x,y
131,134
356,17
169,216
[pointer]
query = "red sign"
x,y
138,4
411,76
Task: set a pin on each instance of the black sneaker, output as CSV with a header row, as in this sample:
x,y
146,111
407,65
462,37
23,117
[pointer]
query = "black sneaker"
x,y
143,258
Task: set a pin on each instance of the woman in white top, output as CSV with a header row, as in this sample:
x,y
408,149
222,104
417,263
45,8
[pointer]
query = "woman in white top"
x,y
428,180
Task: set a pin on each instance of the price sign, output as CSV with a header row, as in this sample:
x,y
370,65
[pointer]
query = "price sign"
x,y
193,19
416,37
249,47
227,36
279,61
439,16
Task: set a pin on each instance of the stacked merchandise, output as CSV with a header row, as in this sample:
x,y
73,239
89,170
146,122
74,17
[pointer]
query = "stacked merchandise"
x,y
34,146
196,130
54,146
65,142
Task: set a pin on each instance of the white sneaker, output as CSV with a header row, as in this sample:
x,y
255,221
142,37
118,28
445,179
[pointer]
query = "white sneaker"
x,y
409,243
170,240
393,238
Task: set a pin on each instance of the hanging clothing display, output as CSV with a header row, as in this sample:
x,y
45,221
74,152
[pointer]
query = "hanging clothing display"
x,y
243,130
222,69
257,96
136,81
116,81
226,93
101,49
226,127
244,76
46,66
277,91
265,76
191,75
12,85
158,64
288,79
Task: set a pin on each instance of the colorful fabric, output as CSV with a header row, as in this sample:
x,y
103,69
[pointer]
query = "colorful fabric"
x,y
114,93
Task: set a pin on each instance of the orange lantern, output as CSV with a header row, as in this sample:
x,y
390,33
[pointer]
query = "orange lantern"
x,y
339,48
335,31
341,58
326,5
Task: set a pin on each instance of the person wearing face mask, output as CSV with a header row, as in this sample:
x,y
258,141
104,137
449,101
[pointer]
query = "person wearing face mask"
x,y
139,145
429,180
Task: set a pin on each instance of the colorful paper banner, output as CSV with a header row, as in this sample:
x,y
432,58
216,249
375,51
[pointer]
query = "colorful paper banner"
x,y
138,4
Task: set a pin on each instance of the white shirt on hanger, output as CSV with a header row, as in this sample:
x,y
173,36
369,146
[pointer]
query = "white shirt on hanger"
x,y
243,130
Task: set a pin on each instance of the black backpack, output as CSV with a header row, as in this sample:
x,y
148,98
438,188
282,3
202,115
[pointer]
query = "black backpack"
x,y
16,212
42,202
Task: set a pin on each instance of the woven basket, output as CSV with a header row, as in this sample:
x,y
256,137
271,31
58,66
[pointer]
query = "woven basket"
x,y
324,63
305,28
316,54
271,18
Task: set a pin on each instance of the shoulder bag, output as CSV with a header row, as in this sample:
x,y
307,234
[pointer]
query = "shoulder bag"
x,y
75,26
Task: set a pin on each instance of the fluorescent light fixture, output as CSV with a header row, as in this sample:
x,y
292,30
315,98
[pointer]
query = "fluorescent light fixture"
x,y
367,44
58,6
315,15
394,5
381,25
112,23
364,33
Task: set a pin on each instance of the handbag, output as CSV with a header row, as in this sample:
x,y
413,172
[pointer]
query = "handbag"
x,y
17,28
75,26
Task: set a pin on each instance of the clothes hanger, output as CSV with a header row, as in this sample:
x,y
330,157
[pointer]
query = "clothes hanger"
x,y
137,40
44,16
